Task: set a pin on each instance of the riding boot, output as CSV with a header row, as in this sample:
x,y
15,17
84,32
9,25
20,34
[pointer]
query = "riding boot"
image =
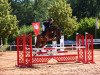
x,y
43,33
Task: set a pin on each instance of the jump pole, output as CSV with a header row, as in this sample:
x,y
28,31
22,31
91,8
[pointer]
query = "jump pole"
x,y
62,42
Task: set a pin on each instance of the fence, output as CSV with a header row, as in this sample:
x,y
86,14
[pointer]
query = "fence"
x,y
13,47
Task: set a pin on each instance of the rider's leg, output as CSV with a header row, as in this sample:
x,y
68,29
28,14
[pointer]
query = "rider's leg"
x,y
43,33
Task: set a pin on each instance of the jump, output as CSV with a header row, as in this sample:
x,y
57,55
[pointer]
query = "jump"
x,y
49,33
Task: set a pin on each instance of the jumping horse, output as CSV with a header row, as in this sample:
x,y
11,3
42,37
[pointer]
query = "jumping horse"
x,y
52,34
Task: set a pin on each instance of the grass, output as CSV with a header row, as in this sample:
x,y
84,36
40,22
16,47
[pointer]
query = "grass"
x,y
4,48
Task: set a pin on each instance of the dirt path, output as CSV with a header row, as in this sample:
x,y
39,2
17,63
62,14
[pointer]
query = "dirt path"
x,y
8,61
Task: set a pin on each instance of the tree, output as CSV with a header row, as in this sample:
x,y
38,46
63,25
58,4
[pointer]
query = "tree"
x,y
72,3
8,22
23,9
41,9
98,8
28,11
62,15
87,25
87,8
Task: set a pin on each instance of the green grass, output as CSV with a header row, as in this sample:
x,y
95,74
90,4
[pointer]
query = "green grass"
x,y
4,48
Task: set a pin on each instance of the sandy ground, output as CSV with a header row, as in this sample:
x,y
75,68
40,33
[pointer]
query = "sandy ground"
x,y
8,61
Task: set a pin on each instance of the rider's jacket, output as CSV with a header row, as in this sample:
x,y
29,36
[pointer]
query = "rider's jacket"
x,y
47,24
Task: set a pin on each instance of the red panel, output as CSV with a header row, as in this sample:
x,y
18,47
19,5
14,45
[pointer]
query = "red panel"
x,y
89,49
59,58
81,51
20,49
24,51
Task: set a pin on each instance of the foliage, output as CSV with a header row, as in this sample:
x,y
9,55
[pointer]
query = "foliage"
x,y
85,25
25,29
23,9
86,8
28,11
8,22
4,48
41,10
72,3
88,25
62,15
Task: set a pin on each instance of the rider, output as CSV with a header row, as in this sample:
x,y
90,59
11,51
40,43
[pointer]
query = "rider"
x,y
46,25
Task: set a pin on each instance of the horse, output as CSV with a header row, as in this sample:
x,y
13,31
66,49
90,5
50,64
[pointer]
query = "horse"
x,y
52,34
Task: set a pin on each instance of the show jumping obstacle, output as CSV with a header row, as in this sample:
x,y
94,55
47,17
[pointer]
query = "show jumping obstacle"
x,y
25,56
